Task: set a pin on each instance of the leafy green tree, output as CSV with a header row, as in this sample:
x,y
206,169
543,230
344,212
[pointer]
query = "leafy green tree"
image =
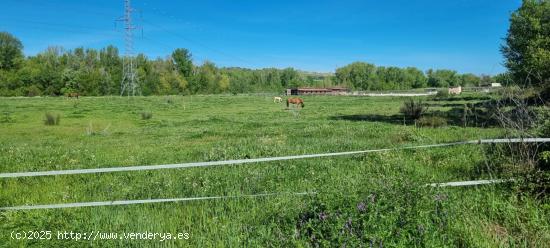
x,y
205,79
527,48
223,82
69,78
503,78
442,78
486,80
11,51
416,77
359,75
183,62
99,72
290,78
469,79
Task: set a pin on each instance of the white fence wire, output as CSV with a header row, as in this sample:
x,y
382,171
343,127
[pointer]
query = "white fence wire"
x,y
256,160
242,161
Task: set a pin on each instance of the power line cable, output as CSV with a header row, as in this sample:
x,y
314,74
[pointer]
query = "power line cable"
x,y
199,43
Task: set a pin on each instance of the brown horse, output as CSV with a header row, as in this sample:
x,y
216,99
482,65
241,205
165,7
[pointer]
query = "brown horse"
x,y
295,100
73,94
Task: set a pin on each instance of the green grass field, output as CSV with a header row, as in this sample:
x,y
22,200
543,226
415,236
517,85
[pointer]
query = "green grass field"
x,y
376,200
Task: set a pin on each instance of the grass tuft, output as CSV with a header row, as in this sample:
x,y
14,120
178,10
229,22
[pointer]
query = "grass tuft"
x,y
51,119
146,115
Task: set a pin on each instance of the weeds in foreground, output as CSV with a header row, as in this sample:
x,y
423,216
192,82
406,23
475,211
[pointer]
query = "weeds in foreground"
x,y
413,109
51,119
6,118
431,121
146,115
91,132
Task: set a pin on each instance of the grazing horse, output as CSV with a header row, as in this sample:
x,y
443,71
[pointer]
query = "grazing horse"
x,y
277,99
73,94
294,101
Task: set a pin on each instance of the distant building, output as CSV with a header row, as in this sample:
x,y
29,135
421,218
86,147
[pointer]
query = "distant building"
x,y
318,91
491,85
455,90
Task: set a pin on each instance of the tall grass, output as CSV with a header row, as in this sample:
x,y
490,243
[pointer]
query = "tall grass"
x,y
413,109
51,119
375,199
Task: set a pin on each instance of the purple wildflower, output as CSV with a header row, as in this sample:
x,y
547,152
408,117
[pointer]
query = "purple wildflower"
x,y
323,216
440,197
361,206
348,225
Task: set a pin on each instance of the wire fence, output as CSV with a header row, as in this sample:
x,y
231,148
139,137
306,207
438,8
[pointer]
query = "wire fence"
x,y
257,160
244,161
163,200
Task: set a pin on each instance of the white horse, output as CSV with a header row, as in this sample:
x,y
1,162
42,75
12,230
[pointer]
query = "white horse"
x,y
277,99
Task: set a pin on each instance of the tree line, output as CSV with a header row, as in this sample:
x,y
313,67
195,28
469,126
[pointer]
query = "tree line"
x,y
56,71
87,71
366,76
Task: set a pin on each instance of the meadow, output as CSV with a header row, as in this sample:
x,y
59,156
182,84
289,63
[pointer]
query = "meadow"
x,y
371,200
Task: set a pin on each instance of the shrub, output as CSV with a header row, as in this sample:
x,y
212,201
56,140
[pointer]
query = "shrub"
x,y
432,121
146,115
545,92
413,109
52,119
33,90
442,94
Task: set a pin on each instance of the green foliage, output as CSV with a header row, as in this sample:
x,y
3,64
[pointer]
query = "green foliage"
x,y
51,119
503,79
404,212
90,131
11,51
290,78
6,117
527,48
535,183
33,90
183,62
146,115
442,94
486,80
545,158
364,76
412,109
358,75
469,79
92,72
442,78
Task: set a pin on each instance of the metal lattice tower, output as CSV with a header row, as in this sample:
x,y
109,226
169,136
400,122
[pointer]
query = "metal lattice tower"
x,y
129,84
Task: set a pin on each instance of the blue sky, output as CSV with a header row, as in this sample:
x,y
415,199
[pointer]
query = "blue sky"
x,y
463,35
